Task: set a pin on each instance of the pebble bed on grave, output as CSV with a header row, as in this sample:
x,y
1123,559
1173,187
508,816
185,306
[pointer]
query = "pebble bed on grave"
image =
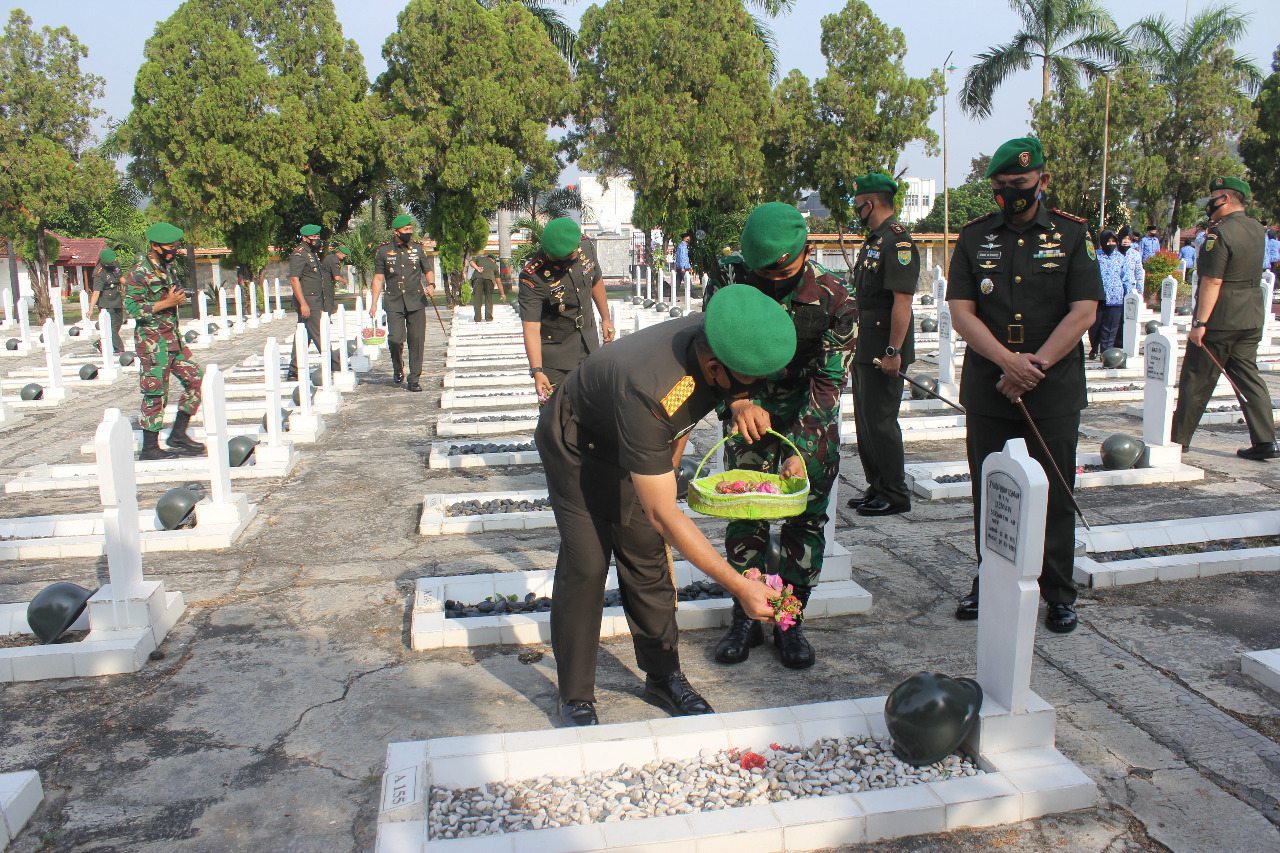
x,y
498,605
1189,548
497,505
965,478
489,447
713,781
488,419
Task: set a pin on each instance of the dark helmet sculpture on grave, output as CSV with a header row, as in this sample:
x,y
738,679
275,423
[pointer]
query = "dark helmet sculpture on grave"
x,y
684,476
73,332
55,609
32,391
676,312
126,359
1114,358
1151,327
175,507
191,337
927,299
88,371
1121,452
928,382
928,325
11,344
930,714
239,449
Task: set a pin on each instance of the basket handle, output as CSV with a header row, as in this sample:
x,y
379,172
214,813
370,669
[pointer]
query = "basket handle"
x,y
715,447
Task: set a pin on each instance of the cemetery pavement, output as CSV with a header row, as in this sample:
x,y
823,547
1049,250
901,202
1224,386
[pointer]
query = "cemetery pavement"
x,y
265,724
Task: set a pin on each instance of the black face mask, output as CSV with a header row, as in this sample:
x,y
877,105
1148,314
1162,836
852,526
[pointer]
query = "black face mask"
x,y
1213,206
1015,202
404,238
863,220
1109,248
738,390
167,255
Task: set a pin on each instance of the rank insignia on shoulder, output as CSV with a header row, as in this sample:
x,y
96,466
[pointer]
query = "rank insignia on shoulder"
x,y
987,286
980,218
898,228
675,398
1066,215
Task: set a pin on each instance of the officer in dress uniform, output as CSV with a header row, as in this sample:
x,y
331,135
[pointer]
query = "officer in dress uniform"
x,y
331,275
801,402
107,294
313,297
610,439
1024,286
885,277
557,287
1227,321
409,274
487,277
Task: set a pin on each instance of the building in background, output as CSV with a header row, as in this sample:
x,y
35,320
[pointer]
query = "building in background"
x,y
918,200
606,209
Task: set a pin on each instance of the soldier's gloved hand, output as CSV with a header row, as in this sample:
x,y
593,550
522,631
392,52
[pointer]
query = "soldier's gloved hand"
x,y
750,420
754,598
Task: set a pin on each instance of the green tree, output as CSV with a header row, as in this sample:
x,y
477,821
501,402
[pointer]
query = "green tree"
x,y
46,160
1067,37
362,239
673,94
790,139
978,168
1193,112
1259,146
239,110
469,94
562,36
967,202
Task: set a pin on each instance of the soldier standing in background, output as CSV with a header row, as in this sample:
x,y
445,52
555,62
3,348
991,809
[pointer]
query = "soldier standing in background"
x,y
312,297
487,278
108,296
151,297
403,265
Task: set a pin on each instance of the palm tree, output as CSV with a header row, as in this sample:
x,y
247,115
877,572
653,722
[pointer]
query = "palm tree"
x,y
1170,52
773,9
1068,37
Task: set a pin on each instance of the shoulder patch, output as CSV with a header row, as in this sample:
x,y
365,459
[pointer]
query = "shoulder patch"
x,y
980,218
1070,216
675,398
384,243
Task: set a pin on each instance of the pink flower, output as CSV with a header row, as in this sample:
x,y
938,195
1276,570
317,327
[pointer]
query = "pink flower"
x,y
752,574
751,760
768,489
774,582
785,621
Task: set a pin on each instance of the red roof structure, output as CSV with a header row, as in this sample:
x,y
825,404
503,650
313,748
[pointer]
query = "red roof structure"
x,y
79,252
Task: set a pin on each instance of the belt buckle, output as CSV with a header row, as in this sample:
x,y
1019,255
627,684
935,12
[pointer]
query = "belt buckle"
x,y
579,322
1017,329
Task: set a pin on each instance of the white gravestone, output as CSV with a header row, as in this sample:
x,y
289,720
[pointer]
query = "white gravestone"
x,y
202,309
254,322
637,279
648,282
365,354
305,418
54,390
688,291
946,353
327,399
55,299
279,312
267,314
276,451
1129,326
1015,499
239,318
110,366
939,287
6,299
1160,358
224,325
346,379
24,328
86,320
1168,296
222,506
1268,285
7,414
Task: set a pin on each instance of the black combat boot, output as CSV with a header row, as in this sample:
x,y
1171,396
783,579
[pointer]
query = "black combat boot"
x,y
151,447
796,651
744,634
178,439
397,362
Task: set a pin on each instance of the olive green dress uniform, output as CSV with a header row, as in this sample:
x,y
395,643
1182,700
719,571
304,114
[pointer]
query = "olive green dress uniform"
x,y
618,413
330,271
110,288
1233,251
306,266
483,284
888,263
404,298
557,295
1024,278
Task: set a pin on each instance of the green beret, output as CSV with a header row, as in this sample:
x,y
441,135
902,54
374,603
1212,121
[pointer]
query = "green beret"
x,y
1017,156
775,232
1222,182
163,232
401,221
343,249
560,237
874,182
309,230
107,256
749,333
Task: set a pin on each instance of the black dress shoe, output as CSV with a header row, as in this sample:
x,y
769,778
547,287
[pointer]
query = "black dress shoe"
x,y
1060,618
880,506
1259,452
861,500
397,376
414,386
578,713
744,634
673,694
967,609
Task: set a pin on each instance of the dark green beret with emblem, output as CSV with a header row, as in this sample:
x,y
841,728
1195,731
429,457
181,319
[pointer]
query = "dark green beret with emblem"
x,y
1016,156
107,256
874,182
401,221
775,233
309,230
748,332
1223,182
163,232
560,237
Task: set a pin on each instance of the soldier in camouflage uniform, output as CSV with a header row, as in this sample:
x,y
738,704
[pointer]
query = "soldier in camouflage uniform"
x,y
801,402
107,296
151,297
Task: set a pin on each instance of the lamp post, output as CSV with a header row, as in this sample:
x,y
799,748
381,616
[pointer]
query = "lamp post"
x,y
1106,149
946,187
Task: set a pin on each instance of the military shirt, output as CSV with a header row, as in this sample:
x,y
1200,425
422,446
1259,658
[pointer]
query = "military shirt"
x,y
404,270
1023,279
106,281
1233,252
304,265
557,295
888,263
331,269
488,268
146,285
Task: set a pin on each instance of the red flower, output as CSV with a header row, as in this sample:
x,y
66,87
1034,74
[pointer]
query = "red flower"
x,y
752,760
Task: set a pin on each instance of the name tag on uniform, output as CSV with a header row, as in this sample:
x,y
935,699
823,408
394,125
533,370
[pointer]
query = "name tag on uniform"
x,y
989,256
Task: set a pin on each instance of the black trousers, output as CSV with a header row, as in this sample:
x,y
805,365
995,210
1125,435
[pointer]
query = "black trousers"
x,y
1237,352
312,324
877,399
985,436
413,325
587,539
117,320
1103,332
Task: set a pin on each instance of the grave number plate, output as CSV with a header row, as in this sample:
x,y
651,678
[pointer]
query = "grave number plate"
x,y
1157,361
400,788
1003,507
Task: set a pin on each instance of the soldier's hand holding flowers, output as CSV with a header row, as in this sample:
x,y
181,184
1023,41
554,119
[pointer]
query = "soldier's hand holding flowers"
x,y
787,609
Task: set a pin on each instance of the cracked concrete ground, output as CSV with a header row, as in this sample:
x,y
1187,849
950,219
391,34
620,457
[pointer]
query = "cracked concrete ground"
x,y
264,727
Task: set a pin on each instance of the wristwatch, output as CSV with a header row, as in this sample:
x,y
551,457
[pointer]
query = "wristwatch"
x,y
1198,324
891,351
534,371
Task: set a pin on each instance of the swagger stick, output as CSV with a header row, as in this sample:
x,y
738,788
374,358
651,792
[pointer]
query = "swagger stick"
x,y
1062,481
925,388
1243,400
438,317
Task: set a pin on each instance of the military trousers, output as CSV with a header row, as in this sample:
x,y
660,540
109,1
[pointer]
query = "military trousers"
x,y
987,435
312,325
587,540
482,297
803,537
404,324
1237,352
877,399
162,353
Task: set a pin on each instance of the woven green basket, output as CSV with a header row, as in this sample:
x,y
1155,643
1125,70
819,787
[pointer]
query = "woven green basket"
x,y
374,336
704,498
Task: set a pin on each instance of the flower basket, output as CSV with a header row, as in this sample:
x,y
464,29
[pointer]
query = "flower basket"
x,y
793,492
374,337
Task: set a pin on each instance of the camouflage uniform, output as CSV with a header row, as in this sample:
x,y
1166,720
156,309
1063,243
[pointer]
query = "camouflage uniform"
x,y
160,348
803,402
